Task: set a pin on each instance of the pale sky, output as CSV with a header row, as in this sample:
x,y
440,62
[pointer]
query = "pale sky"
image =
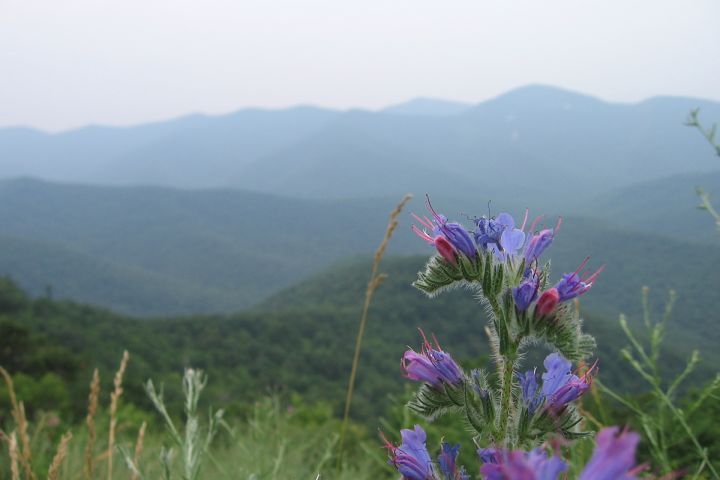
x,y
68,63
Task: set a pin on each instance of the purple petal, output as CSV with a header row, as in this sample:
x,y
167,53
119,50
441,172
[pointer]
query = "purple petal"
x,y
614,456
557,373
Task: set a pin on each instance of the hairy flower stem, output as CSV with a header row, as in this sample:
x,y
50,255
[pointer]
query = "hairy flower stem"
x,y
506,370
506,367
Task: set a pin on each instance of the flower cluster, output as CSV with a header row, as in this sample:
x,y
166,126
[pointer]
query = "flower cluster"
x,y
515,415
507,244
497,235
613,459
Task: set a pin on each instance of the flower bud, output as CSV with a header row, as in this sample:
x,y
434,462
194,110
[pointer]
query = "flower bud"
x,y
447,461
538,243
459,238
445,249
432,365
525,293
547,302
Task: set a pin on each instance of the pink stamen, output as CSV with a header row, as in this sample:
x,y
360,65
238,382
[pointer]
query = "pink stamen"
x,y
557,226
388,443
588,374
423,234
425,222
527,210
591,278
426,344
437,344
582,265
644,466
535,223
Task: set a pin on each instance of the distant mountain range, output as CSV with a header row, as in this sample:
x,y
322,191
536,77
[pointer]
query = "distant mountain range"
x,y
542,146
214,214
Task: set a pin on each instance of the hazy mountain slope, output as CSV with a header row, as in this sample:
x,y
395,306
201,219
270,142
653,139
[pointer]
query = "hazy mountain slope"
x,y
666,206
545,145
212,152
239,247
428,106
193,151
52,269
343,161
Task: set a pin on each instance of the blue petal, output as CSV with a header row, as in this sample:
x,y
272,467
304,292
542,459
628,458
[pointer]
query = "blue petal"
x,y
506,220
512,240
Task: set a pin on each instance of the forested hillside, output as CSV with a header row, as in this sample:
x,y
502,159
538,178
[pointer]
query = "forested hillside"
x,y
153,251
301,339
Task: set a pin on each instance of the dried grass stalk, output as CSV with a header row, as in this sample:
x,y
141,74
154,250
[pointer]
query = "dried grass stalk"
x,y
18,413
13,452
375,281
114,397
90,421
59,456
138,449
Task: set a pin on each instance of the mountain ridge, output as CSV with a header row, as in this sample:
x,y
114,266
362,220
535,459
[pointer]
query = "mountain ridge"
x,y
544,140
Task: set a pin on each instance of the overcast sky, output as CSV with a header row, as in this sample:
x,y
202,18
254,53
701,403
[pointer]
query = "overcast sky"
x,y
66,63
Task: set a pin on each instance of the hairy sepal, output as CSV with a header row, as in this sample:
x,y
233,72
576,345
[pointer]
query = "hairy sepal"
x,y
432,402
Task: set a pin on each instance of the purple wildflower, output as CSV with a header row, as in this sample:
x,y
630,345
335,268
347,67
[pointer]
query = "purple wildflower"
x,y
560,386
614,456
488,231
519,465
431,365
454,233
499,235
489,455
526,292
529,386
448,463
572,285
411,458
540,241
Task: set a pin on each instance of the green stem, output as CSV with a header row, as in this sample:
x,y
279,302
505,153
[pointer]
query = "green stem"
x,y
506,368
